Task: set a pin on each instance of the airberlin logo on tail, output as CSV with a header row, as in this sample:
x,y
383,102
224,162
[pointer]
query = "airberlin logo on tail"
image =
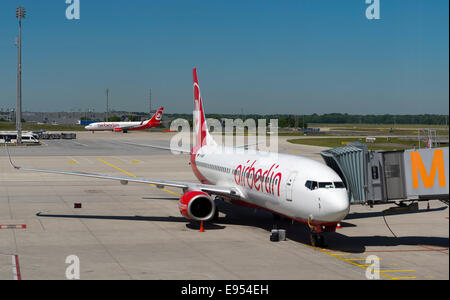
x,y
261,180
158,116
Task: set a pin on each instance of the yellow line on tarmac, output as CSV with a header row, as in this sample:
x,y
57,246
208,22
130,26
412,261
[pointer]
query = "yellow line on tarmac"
x,y
350,262
361,259
395,271
134,176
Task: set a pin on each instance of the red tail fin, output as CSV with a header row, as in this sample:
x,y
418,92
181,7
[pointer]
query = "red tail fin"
x,y
199,115
157,116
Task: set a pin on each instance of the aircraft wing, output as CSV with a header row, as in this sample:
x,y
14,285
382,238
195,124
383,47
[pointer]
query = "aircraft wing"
x,y
210,189
178,149
124,127
159,147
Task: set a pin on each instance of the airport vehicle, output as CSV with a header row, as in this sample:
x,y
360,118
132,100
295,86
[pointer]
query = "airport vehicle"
x,y
10,137
125,126
294,187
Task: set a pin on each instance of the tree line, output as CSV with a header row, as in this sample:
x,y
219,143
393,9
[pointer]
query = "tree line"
x,y
332,118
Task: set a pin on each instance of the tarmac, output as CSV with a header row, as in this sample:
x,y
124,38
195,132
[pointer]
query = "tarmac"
x,y
135,231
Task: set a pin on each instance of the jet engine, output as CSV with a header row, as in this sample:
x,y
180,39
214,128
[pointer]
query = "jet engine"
x,y
197,206
117,129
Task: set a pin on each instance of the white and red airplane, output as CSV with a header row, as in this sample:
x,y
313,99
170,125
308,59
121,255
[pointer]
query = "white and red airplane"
x,y
291,186
125,126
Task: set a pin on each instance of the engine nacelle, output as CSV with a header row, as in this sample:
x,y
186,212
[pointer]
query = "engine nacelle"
x,y
197,206
117,129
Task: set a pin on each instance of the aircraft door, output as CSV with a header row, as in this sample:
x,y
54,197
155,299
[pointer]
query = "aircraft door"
x,y
290,186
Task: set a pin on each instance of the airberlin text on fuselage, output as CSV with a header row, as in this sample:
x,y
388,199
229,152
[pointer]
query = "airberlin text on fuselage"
x,y
107,125
260,180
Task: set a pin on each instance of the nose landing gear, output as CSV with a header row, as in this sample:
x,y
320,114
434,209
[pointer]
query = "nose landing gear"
x,y
316,237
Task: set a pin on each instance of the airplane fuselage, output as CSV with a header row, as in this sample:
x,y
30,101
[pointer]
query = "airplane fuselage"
x,y
110,126
293,186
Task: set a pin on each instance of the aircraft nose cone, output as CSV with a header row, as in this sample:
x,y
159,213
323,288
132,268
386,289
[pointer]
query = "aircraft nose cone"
x,y
341,208
336,207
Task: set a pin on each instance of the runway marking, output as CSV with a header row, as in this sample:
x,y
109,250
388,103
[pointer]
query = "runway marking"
x,y
411,250
359,259
73,160
431,249
21,226
16,267
136,161
352,261
80,144
397,271
134,176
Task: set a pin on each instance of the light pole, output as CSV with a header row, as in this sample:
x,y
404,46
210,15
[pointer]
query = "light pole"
x,y
20,14
150,101
107,105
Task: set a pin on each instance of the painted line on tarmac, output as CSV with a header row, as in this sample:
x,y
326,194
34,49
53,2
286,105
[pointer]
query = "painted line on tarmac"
x,y
410,250
134,176
16,267
21,226
353,262
442,250
397,271
81,144
73,161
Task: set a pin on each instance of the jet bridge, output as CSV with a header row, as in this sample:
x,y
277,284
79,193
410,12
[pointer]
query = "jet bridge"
x,y
376,177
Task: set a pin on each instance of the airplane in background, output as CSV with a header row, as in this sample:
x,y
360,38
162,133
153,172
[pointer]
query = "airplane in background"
x,y
293,187
125,126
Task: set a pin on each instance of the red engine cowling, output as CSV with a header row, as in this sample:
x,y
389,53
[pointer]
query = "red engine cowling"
x,y
197,206
117,129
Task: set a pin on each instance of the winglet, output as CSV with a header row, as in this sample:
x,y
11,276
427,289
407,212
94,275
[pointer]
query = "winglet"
x,y
10,160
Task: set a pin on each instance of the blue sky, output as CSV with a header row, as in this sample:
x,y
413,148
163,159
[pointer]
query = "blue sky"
x,y
258,56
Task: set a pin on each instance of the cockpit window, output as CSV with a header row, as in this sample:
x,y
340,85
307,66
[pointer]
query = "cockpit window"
x,y
339,185
312,185
327,185
308,184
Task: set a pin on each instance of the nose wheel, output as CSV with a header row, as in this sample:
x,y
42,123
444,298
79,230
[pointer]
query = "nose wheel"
x,y
316,237
317,240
